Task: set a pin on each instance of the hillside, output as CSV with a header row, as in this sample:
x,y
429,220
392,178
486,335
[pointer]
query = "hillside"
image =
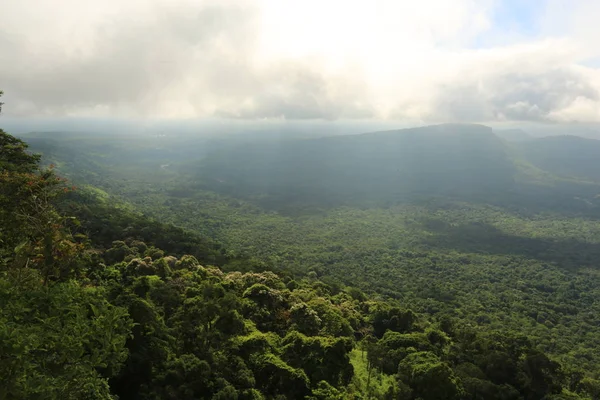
x,y
565,156
452,161
513,135
518,262
88,316
374,168
299,200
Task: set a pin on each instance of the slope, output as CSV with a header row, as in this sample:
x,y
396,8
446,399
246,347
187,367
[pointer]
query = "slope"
x,y
130,322
531,270
513,135
369,169
565,156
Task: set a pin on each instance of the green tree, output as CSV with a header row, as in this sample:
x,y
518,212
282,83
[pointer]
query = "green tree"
x,y
544,376
429,377
591,387
322,358
32,232
59,342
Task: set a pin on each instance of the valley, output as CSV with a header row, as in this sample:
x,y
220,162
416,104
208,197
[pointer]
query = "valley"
x,y
449,220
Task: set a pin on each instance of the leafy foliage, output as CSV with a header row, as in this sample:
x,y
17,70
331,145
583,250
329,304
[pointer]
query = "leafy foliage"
x,y
454,300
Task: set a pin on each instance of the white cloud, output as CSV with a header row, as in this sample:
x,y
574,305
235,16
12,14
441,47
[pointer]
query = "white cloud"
x,y
298,60
523,82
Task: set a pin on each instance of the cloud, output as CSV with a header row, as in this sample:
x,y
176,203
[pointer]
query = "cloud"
x,y
297,90
183,62
139,65
530,83
277,59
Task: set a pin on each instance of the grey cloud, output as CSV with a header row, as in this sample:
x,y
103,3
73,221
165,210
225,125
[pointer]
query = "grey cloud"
x,y
203,61
128,61
522,95
302,92
200,57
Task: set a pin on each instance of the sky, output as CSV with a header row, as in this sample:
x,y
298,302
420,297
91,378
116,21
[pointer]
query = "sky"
x,y
424,61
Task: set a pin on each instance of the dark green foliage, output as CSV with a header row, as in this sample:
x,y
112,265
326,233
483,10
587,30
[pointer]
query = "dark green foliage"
x,y
14,156
61,342
394,319
429,377
396,346
305,319
454,300
277,377
543,375
323,359
32,233
105,224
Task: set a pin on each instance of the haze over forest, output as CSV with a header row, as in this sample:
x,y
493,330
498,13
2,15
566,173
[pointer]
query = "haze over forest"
x,y
323,200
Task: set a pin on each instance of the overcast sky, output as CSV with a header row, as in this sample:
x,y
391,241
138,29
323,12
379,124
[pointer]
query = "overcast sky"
x,y
418,60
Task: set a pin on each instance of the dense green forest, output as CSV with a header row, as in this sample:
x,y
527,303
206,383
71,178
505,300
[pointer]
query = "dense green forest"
x,y
436,263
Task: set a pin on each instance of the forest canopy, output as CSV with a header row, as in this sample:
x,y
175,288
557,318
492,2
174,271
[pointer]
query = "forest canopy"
x,y
101,301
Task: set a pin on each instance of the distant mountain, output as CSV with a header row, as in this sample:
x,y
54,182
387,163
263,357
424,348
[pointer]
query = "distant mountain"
x,y
565,156
469,163
373,168
590,131
513,135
